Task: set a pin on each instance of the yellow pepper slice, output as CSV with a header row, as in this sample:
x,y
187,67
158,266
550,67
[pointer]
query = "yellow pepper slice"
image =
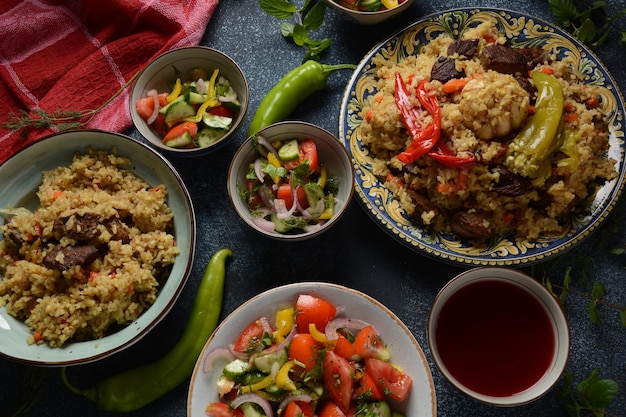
x,y
272,159
282,377
322,179
390,4
257,386
173,95
316,334
284,323
329,210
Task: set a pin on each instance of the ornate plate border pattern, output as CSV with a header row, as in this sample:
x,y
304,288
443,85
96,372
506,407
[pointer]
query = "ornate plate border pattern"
x,y
521,30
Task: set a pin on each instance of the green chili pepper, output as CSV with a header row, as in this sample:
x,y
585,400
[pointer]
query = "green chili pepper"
x,y
297,85
528,152
137,387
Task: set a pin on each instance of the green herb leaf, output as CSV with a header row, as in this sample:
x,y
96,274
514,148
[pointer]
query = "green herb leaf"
x,y
622,317
287,29
315,16
596,393
300,35
280,9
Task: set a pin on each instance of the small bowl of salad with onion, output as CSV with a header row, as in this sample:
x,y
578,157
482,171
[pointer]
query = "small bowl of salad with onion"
x,y
291,180
312,349
369,12
189,101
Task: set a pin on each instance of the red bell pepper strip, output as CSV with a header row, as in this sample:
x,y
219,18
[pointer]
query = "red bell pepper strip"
x,y
444,155
424,138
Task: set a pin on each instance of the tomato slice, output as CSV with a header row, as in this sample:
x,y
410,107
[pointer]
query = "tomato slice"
x,y
311,309
367,389
145,105
369,345
284,193
251,339
253,198
337,375
308,152
305,350
222,110
344,348
394,383
218,409
331,409
298,409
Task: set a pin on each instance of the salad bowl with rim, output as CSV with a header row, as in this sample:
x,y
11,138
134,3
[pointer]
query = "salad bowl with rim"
x,y
402,345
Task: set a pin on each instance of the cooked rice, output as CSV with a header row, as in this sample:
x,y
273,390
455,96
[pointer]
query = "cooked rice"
x,y
541,212
135,250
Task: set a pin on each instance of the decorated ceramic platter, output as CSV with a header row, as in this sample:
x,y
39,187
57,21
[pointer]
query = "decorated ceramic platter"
x,y
520,31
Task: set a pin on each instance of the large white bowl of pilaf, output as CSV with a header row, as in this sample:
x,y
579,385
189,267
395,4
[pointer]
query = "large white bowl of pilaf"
x,y
96,243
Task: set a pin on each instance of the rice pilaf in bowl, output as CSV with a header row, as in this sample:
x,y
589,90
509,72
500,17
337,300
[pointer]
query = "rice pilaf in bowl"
x,y
94,251
483,137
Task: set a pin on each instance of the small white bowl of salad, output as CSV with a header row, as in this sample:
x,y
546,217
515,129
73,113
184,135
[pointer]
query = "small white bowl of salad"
x,y
312,349
291,180
189,100
369,12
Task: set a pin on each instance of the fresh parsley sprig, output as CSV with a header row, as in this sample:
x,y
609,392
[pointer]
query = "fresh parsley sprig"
x,y
588,22
304,20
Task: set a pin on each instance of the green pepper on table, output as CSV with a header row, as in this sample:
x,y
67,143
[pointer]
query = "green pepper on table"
x,y
137,387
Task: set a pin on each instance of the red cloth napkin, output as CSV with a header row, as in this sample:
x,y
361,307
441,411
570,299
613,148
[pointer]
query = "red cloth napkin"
x,y
75,54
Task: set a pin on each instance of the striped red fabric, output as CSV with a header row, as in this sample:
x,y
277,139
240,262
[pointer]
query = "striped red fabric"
x,y
75,54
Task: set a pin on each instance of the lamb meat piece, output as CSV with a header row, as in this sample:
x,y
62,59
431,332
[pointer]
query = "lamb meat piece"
x,y
81,226
470,224
525,83
534,56
511,184
63,258
444,69
422,205
503,59
118,230
466,48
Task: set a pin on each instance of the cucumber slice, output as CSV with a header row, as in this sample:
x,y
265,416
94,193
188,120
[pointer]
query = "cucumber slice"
x,y
178,111
207,136
264,363
181,141
289,151
217,122
164,109
236,368
235,104
280,225
194,98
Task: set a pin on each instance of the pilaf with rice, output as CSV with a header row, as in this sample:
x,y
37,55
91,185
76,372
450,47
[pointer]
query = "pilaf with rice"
x,y
91,257
473,157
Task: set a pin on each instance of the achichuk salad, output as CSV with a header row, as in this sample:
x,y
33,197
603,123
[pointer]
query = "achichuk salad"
x,y
307,361
193,114
287,189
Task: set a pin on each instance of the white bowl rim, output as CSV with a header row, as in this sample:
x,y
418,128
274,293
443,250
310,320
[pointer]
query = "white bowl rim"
x,y
232,192
136,119
78,358
543,296
310,287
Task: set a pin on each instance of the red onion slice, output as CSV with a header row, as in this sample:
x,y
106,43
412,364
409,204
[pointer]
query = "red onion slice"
x,y
262,223
258,171
201,86
217,354
256,399
155,97
343,323
291,398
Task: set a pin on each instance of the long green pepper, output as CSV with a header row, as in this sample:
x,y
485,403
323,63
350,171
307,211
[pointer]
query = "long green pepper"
x,y
297,85
137,387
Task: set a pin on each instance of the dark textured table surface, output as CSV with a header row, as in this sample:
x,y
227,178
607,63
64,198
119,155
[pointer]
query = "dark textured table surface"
x,y
356,252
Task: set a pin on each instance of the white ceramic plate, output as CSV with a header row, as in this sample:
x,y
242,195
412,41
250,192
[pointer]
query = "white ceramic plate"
x,y
20,177
404,349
